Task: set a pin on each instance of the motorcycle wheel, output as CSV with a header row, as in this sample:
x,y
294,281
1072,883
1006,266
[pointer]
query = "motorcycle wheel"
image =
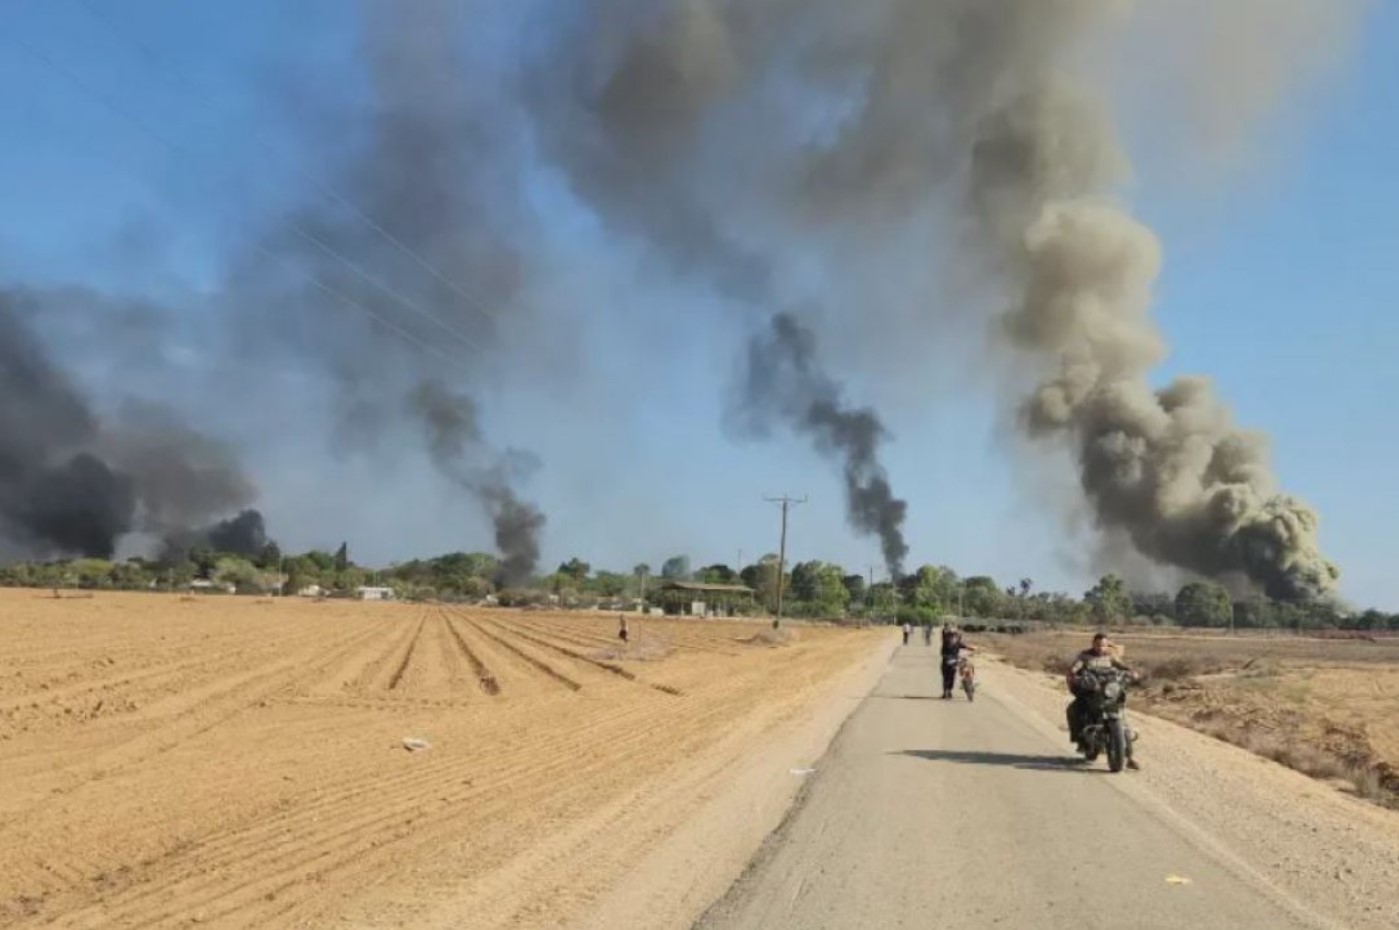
x,y
1117,745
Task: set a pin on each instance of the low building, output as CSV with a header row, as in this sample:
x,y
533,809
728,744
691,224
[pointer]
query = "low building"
x,y
311,590
370,593
697,599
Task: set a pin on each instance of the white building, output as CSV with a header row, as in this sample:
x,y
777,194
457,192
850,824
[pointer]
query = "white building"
x,y
368,593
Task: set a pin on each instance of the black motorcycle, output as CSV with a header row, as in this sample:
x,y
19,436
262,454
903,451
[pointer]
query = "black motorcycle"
x,y
1103,694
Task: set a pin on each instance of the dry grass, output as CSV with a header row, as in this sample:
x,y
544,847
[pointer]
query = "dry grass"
x,y
1325,707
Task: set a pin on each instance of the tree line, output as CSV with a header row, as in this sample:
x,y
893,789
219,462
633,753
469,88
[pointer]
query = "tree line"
x,y
811,589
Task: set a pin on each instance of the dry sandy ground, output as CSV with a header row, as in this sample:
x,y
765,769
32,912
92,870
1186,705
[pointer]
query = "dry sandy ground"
x,y
1327,707
928,813
231,763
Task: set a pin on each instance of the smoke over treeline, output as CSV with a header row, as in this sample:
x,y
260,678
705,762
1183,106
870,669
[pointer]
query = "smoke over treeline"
x,y
74,480
729,134
769,155
403,253
782,380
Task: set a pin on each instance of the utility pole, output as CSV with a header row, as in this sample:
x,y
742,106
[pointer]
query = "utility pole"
x,y
787,502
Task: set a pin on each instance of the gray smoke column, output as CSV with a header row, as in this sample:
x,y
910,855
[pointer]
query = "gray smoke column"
x,y
414,244
454,440
244,534
73,482
646,86
723,133
782,381
1167,466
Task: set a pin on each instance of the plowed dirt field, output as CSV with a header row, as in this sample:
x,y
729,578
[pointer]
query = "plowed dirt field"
x,y
236,763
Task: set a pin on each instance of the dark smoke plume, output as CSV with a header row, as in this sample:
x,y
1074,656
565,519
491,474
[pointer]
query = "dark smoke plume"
x,y
454,440
1166,466
413,250
630,130
244,534
72,482
782,381
675,120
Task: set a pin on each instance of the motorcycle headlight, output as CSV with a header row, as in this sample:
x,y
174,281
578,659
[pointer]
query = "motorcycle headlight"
x,y
1112,691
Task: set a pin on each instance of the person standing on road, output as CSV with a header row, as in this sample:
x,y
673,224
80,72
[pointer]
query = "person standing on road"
x,y
952,646
908,631
928,633
622,628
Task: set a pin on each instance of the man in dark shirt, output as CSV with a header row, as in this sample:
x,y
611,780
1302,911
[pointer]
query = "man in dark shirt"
x,y
1100,655
952,646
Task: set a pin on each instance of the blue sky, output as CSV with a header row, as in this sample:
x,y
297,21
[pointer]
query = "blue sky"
x,y
1279,282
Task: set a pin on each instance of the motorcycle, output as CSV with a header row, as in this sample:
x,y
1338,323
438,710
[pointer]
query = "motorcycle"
x,y
1104,716
966,672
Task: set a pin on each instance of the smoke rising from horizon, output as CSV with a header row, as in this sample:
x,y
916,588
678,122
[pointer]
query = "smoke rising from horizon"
x,y
73,482
782,380
992,98
769,161
454,439
414,222
1167,466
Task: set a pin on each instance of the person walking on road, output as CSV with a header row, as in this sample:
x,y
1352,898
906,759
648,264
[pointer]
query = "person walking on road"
x,y
952,647
908,631
927,634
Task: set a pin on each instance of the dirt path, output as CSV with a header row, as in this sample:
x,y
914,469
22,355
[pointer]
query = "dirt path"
x,y
949,814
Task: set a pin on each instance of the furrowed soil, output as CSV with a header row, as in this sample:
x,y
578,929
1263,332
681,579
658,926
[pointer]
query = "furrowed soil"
x,y
226,762
1326,707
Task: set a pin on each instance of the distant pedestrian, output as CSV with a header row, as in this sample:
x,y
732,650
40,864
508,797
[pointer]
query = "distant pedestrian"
x,y
622,628
908,631
927,634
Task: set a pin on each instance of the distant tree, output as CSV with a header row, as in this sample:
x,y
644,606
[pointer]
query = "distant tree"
x,y
203,559
855,588
1152,604
1255,612
762,578
91,573
576,569
676,568
237,571
271,556
981,596
718,574
1370,620
1025,585
1108,600
1203,603
609,584
932,586
342,557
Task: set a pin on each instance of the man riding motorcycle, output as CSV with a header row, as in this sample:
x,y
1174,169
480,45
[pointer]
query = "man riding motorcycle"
x,y
1098,656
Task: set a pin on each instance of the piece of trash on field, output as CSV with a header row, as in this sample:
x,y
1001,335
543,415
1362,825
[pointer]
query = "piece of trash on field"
x,y
415,744
802,771
1177,880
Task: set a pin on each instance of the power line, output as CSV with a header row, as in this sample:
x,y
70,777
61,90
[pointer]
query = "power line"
x,y
787,503
89,90
160,61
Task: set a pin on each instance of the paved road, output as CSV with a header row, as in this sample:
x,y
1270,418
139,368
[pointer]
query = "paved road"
x,y
927,813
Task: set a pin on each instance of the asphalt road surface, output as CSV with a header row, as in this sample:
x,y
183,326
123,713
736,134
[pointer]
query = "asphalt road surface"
x,y
945,814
